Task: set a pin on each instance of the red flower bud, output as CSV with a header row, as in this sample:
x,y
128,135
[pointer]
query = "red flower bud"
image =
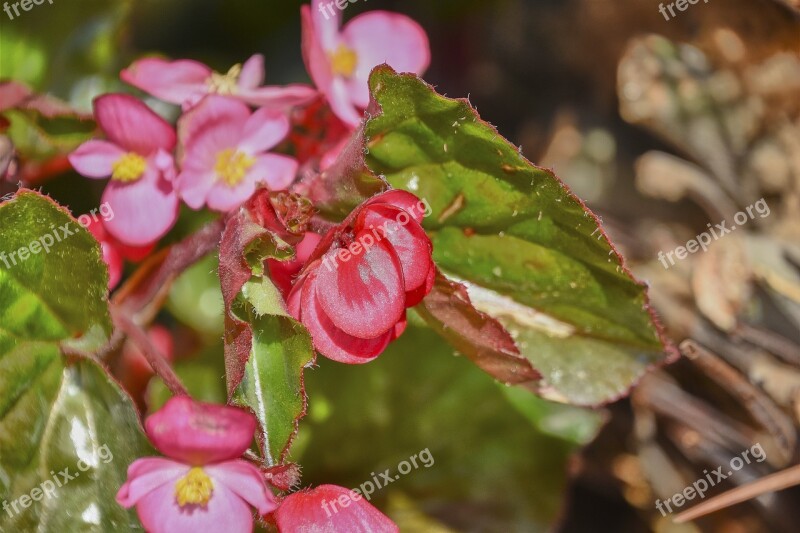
x,y
330,509
353,293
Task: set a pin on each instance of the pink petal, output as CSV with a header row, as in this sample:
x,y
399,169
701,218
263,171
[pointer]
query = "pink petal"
x,y
199,433
252,74
213,125
364,296
314,55
130,124
94,159
144,210
319,511
146,475
327,21
263,130
329,340
382,37
340,97
224,198
407,238
246,481
172,81
275,170
193,187
278,98
225,511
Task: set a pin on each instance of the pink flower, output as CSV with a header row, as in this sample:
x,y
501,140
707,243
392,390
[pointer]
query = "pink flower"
x,y
353,293
203,486
330,509
224,153
340,61
137,156
186,82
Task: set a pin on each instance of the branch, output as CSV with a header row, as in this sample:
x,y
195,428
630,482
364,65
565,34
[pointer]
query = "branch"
x,y
156,359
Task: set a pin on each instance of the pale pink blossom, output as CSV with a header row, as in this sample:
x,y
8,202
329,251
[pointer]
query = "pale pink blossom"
x,y
137,155
340,60
224,153
185,82
203,485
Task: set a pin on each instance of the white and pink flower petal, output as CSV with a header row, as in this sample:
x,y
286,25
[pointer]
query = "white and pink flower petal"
x,y
95,159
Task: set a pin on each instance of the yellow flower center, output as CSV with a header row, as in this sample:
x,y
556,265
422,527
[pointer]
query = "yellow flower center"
x,y
194,488
344,61
225,84
129,167
232,165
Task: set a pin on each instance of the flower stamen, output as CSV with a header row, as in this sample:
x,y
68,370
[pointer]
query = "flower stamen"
x,y
232,165
129,167
194,488
225,84
344,61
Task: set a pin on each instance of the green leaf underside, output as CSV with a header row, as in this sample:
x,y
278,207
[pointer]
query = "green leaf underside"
x,y
535,256
272,385
53,414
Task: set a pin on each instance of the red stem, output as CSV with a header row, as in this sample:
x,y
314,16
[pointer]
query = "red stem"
x,y
156,359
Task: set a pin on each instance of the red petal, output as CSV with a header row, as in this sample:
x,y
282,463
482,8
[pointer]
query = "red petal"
x,y
408,239
406,201
331,341
417,295
319,510
364,294
198,433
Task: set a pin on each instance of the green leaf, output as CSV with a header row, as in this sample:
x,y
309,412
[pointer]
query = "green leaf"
x,y
266,350
531,254
273,380
54,414
492,469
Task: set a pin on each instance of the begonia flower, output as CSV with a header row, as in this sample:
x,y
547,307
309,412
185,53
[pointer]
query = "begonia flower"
x,y
284,272
202,485
224,153
185,82
137,155
330,509
340,60
353,293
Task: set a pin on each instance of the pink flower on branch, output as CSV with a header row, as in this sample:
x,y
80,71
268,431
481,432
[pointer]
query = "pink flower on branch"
x,y
186,82
137,155
321,510
203,485
340,60
224,153
353,293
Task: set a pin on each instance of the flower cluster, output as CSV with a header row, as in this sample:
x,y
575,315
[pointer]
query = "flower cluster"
x,y
204,484
350,287
355,289
222,149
